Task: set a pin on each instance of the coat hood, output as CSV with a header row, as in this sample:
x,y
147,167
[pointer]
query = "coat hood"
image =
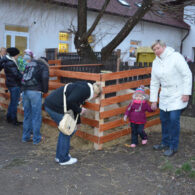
x,y
43,61
167,52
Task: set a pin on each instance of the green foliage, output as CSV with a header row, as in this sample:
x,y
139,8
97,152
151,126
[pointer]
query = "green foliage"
x,y
186,167
167,167
192,174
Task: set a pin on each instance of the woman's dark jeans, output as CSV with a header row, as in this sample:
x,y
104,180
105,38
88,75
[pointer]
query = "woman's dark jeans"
x,y
14,99
63,145
170,122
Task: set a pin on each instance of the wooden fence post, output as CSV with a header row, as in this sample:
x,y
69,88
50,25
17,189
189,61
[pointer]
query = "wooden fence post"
x,y
97,132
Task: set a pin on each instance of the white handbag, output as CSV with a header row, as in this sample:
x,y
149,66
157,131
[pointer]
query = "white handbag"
x,y
68,123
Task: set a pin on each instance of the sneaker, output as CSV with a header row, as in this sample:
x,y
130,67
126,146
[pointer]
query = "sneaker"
x,y
58,160
144,141
132,145
160,147
70,162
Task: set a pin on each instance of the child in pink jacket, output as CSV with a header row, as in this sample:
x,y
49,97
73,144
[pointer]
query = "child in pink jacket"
x,y
136,114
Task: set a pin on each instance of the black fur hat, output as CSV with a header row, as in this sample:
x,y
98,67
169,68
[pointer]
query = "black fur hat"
x,y
13,51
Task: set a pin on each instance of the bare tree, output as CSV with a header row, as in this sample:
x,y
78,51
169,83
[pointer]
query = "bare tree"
x,y
175,7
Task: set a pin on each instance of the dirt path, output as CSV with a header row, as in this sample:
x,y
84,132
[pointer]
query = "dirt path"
x,y
26,169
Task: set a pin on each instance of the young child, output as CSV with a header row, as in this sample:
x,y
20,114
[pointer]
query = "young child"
x,y
136,114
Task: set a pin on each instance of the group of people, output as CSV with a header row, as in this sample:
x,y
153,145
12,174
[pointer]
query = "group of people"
x,y
31,80
170,74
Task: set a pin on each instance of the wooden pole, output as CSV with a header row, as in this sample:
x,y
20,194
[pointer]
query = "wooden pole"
x,y
97,132
118,62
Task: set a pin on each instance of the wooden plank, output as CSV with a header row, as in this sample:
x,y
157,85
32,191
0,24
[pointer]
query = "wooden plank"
x,y
115,100
132,84
126,73
3,85
121,110
115,135
113,112
5,95
19,110
49,122
74,65
124,132
54,62
152,122
92,106
112,124
77,75
90,122
118,99
2,75
87,136
120,122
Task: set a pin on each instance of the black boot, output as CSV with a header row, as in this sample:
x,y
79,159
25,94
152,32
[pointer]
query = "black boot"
x,y
16,122
9,120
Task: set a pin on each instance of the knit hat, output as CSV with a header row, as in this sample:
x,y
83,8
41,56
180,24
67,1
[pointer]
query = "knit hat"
x,y
140,90
29,52
13,51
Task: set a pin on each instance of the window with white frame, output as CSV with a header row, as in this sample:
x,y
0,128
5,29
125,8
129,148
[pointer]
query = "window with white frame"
x,y
16,36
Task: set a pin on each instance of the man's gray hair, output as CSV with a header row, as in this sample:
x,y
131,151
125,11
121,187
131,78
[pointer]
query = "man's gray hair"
x,y
161,43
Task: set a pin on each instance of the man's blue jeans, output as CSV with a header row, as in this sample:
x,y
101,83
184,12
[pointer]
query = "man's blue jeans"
x,y
14,99
63,145
170,122
32,102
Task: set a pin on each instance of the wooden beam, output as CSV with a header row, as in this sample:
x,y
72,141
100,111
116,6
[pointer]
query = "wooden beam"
x,y
78,75
132,84
90,122
115,135
74,65
125,74
87,136
58,62
92,106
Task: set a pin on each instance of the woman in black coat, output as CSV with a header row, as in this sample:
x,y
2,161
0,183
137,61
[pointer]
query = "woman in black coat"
x,y
13,82
76,94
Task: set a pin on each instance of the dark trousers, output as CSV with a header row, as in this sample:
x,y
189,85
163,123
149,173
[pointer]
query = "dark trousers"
x,y
170,122
14,99
137,129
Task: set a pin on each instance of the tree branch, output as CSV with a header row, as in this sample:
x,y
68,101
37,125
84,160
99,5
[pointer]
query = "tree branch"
x,y
97,20
130,24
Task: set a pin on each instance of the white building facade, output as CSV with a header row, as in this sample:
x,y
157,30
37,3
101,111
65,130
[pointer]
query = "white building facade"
x,y
38,26
189,43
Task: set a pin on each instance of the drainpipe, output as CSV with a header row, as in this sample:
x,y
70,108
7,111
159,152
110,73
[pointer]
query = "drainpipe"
x,y
181,46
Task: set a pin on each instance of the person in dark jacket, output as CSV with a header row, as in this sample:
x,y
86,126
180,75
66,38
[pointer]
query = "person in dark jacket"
x,y
13,82
136,114
33,86
76,94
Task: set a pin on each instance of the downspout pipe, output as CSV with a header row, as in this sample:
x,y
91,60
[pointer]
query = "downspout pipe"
x,y
181,46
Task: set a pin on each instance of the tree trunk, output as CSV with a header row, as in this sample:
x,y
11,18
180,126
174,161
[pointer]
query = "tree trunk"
x,y
84,50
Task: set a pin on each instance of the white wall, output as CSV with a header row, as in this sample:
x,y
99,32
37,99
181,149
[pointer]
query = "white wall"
x,y
189,42
50,19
